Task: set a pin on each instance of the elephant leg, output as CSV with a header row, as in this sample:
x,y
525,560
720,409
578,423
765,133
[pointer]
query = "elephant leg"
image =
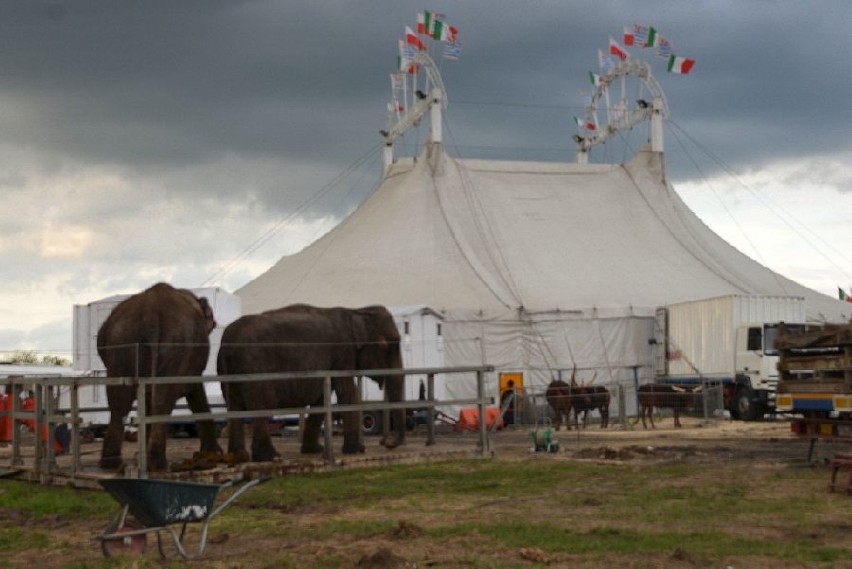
x,y
120,400
163,402
348,394
395,388
310,436
196,398
262,449
351,444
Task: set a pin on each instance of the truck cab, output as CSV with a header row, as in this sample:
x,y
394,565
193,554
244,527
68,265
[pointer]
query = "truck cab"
x,y
753,392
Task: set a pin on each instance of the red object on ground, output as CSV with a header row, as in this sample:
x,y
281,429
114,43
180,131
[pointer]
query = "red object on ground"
x,y
27,404
469,419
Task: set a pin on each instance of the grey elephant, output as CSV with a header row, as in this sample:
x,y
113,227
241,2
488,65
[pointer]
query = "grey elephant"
x,y
301,337
159,332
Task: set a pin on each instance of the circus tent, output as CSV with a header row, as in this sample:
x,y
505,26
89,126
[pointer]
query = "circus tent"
x,y
537,267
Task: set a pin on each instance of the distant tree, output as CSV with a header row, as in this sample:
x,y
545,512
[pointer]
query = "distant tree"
x,y
55,361
31,357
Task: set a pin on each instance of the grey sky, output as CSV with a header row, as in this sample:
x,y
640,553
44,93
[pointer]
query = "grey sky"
x,y
158,140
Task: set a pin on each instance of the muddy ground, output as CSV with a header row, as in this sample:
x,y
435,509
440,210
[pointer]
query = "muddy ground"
x,y
713,443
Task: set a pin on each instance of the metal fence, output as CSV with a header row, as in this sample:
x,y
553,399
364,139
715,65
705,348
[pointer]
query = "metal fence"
x,y
46,417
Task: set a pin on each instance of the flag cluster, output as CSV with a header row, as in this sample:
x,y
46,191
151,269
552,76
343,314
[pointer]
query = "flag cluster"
x,y
647,36
432,26
635,36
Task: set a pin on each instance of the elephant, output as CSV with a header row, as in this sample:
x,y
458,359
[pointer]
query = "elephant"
x,y
159,332
302,337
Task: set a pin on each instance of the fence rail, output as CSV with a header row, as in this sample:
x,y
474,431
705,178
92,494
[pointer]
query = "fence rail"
x,y
45,415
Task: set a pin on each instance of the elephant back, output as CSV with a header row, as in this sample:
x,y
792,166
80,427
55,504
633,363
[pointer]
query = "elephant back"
x,y
161,331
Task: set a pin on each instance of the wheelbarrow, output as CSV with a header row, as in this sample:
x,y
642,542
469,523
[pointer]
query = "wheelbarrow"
x,y
155,505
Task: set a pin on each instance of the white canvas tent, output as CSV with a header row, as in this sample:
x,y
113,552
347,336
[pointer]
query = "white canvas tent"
x,y
535,266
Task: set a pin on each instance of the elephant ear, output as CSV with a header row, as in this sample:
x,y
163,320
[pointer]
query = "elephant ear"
x,y
207,310
360,329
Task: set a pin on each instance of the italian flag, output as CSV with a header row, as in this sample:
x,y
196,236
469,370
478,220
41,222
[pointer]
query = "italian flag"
x,y
680,65
588,125
651,41
426,22
617,50
841,294
595,79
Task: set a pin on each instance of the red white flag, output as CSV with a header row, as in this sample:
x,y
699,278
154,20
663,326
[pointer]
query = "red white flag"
x,y
628,35
412,39
617,50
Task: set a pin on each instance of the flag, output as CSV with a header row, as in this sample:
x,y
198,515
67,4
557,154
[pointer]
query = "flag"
x,y
588,125
403,60
595,79
426,22
640,34
412,39
680,65
841,294
652,38
628,36
617,50
605,61
442,31
452,50
664,48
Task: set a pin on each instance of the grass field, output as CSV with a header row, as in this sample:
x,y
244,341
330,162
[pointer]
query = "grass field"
x,y
533,510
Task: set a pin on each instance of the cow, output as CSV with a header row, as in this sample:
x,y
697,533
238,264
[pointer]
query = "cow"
x,y
664,395
593,397
563,396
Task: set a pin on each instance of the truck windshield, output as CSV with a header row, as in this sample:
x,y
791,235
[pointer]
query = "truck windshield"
x,y
770,332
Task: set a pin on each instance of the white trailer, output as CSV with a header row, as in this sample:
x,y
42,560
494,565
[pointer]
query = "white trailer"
x,y
728,341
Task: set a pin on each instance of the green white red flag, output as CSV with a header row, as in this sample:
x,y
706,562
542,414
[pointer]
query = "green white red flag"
x,y
680,65
595,79
585,123
841,294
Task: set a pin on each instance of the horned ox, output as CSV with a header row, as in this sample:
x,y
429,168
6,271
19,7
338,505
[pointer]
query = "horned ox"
x,y
668,396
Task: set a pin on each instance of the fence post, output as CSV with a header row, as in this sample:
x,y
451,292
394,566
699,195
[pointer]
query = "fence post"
x,y
49,426
430,410
480,393
76,465
37,426
142,433
17,460
326,401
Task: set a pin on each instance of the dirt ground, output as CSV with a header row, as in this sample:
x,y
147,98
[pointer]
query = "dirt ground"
x,y
713,443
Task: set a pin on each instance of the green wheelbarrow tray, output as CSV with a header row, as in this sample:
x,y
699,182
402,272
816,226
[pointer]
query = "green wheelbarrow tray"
x,y
157,504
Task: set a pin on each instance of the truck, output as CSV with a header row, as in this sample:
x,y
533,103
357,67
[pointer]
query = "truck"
x,y
815,379
726,342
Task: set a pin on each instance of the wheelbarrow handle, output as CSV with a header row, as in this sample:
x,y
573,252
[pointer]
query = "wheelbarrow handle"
x,y
248,485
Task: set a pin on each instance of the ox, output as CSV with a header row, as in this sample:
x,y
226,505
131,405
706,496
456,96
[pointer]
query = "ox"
x,y
663,395
594,397
561,398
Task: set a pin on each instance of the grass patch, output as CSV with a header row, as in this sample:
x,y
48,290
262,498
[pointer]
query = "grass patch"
x,y
480,512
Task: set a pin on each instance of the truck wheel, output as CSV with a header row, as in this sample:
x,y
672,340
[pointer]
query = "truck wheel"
x,y
744,408
370,423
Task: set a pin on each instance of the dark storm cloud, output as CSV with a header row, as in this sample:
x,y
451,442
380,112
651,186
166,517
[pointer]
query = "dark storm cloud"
x,y
147,85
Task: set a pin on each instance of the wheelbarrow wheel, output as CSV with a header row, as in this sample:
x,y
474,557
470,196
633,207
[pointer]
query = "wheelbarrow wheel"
x,y
127,545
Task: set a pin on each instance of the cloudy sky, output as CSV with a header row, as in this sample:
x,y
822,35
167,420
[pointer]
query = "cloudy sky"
x,y
196,142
